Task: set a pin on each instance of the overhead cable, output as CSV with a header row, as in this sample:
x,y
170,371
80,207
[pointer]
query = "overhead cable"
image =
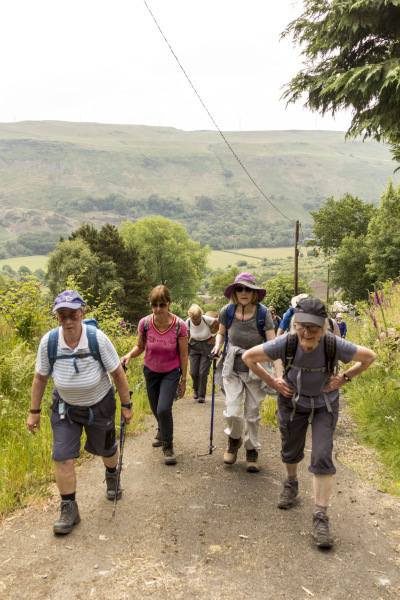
x,y
212,119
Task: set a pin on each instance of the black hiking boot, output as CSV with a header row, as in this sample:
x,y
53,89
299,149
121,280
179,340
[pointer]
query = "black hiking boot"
x,y
288,494
321,534
68,518
157,440
230,455
252,465
111,480
168,449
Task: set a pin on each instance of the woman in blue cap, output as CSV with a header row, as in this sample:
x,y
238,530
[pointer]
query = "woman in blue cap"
x,y
83,397
244,323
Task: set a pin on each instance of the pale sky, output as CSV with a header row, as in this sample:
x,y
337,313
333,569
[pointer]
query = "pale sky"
x,y
106,62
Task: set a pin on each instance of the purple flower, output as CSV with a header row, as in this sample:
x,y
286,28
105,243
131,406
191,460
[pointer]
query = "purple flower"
x,y
377,303
369,297
373,319
381,295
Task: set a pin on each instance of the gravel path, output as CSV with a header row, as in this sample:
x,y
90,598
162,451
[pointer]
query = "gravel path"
x,y
203,530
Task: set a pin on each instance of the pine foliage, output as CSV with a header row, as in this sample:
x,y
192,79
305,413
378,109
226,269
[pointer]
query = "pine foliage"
x,y
351,53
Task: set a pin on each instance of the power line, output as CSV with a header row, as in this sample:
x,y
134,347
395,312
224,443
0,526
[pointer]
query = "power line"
x,y
212,119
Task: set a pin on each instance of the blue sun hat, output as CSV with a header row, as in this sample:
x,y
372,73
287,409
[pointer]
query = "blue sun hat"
x,y
68,299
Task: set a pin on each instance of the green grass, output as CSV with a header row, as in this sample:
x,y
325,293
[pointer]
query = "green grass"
x,y
32,262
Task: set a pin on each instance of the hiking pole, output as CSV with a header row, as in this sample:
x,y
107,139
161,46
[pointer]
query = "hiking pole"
x,y
121,452
213,357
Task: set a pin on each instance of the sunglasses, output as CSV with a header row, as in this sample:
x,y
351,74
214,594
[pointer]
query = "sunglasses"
x,y
159,304
310,328
240,288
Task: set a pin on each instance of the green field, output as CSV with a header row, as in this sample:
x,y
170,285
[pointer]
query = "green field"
x,y
32,262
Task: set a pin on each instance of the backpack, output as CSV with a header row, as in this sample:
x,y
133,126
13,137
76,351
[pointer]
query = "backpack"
x,y
94,350
230,313
331,365
178,326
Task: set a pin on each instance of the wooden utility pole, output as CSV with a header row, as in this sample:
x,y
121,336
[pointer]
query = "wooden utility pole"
x,y
327,289
296,258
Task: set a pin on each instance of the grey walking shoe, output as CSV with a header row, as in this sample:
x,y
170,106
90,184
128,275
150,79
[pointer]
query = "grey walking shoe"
x,y
111,480
288,494
230,455
252,465
321,533
168,449
68,518
201,399
157,440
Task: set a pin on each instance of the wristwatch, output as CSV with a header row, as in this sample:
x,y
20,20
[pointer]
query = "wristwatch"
x,y
127,405
346,378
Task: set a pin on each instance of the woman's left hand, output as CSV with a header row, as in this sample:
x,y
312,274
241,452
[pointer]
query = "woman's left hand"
x,y
181,389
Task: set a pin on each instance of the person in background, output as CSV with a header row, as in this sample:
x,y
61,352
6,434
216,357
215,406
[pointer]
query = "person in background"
x,y
342,325
200,346
309,394
243,333
275,319
284,326
163,337
83,397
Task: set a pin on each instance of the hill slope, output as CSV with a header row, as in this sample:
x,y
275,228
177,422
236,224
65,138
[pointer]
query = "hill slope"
x,y
55,175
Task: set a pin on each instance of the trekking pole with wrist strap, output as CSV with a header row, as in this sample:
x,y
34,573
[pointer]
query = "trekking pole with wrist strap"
x,y
122,434
214,359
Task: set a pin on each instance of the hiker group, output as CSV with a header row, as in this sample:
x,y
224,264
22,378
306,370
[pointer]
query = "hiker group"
x,y
256,357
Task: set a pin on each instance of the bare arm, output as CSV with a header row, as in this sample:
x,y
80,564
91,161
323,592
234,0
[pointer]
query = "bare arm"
x,y
255,356
219,340
364,358
136,350
183,357
121,384
38,387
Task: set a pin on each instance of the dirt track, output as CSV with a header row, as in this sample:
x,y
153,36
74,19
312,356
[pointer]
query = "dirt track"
x,y
203,530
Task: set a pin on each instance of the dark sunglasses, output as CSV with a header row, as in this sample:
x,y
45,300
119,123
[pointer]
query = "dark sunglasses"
x,y
159,305
240,288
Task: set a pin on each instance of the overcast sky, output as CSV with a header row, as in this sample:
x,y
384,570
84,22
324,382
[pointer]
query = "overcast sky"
x,y
106,62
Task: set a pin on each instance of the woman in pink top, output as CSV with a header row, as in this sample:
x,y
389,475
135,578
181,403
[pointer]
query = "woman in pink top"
x,y
163,336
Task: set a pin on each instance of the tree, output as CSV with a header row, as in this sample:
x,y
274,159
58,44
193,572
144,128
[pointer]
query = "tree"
x,y
280,291
109,245
74,257
339,219
383,239
168,254
352,60
220,281
349,269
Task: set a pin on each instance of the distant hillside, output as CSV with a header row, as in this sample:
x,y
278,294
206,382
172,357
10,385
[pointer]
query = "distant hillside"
x,y
55,175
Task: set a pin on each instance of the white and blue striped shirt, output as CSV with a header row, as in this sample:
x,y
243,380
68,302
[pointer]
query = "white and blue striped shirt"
x,y
91,384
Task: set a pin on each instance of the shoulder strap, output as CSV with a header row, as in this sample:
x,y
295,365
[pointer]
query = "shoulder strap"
x,y
178,327
330,352
52,344
261,314
290,350
146,328
230,313
94,344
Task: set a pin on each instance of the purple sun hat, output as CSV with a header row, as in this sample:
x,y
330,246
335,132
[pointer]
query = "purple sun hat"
x,y
246,280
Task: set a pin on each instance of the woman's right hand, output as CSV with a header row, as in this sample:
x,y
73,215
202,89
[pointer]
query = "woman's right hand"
x,y
125,359
216,350
282,387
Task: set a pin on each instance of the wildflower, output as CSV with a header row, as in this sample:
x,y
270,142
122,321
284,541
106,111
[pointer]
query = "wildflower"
x,y
377,303
373,319
369,297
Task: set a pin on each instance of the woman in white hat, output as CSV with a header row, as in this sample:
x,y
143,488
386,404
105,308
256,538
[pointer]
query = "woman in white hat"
x,y
244,323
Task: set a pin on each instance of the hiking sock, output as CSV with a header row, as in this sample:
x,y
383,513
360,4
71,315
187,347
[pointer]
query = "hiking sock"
x,y
111,469
321,509
66,497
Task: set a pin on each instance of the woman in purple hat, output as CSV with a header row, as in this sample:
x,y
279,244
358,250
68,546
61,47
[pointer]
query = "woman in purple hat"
x,y
244,323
